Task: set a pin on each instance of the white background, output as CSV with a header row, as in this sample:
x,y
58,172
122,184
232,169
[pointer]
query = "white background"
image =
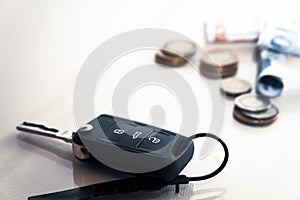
x,y
42,47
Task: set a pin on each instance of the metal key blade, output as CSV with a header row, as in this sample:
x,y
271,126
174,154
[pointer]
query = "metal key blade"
x,y
42,130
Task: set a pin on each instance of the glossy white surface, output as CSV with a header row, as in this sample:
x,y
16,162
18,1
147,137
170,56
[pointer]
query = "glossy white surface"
x,y
42,47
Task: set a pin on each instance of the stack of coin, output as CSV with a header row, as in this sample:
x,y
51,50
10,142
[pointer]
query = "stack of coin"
x,y
254,110
219,64
175,52
234,87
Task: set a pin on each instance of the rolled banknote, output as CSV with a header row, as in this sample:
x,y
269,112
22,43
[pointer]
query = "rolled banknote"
x,y
282,36
271,73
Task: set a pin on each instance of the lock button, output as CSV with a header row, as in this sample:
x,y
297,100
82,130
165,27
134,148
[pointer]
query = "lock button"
x,y
116,132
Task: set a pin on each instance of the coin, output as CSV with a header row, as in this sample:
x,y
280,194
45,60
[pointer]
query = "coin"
x,y
209,74
218,69
216,64
252,103
220,58
268,114
165,59
235,86
239,116
217,72
184,48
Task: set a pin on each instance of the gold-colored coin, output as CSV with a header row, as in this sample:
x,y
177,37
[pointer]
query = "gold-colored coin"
x,y
220,58
218,69
209,74
169,60
216,64
218,72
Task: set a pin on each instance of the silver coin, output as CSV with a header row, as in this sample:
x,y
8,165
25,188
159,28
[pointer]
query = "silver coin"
x,y
252,103
235,86
183,48
268,114
239,116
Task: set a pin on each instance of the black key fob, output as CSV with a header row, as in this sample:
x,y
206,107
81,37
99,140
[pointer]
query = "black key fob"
x,y
135,147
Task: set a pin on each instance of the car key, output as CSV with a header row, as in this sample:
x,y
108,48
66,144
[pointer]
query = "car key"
x,y
114,141
132,147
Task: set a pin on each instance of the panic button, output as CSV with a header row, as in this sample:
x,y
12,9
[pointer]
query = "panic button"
x,y
155,141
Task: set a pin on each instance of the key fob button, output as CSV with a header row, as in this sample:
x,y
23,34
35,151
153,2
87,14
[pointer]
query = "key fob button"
x,y
116,132
155,141
134,137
